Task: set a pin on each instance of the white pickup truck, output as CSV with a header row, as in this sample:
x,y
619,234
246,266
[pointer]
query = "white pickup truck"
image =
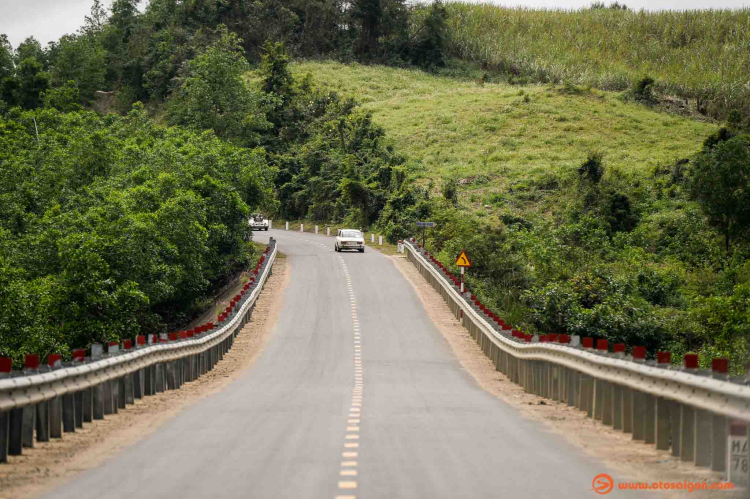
x,y
258,222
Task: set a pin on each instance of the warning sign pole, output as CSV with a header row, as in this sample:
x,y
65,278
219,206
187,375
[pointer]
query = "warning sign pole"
x,y
463,262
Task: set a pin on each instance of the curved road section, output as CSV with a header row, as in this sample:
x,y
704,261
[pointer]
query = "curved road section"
x,y
357,394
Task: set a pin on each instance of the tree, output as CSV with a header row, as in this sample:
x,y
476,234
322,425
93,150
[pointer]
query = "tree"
x,y
429,49
720,182
30,48
7,68
25,89
83,60
65,98
213,94
93,24
368,16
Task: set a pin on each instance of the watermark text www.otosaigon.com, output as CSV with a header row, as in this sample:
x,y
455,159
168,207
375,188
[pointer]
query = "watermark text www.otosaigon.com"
x,y
604,484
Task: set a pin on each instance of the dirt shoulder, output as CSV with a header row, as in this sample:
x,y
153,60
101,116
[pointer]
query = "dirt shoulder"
x,y
616,451
49,464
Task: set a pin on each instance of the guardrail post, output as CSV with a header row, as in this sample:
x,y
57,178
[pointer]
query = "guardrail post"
x,y
4,435
702,435
719,428
598,399
170,374
148,381
616,407
88,405
109,406
54,410
663,423
639,415
15,432
69,414
608,415
649,418
42,422
159,378
29,422
99,396
121,392
587,394
571,381
316,229
302,227
675,412
627,409
78,404
687,433
719,443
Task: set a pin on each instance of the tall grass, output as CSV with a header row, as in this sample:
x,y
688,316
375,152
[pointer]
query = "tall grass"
x,y
702,55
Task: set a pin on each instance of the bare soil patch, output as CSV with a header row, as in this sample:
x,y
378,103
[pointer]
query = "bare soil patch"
x,y
633,461
49,464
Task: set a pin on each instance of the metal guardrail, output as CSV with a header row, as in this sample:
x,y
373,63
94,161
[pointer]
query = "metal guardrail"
x,y
41,401
690,412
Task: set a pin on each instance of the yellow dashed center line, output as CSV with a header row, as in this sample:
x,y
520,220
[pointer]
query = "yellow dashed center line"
x,y
352,428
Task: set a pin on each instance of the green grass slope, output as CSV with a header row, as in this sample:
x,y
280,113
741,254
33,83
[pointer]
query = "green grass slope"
x,y
497,137
695,54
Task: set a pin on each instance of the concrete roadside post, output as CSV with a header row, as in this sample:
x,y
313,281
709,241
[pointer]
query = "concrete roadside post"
x,y
287,226
738,454
270,224
372,238
6,367
98,392
316,230
302,227
380,240
328,231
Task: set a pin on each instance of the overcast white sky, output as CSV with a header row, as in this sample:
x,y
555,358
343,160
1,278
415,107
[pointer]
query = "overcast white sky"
x,y
48,20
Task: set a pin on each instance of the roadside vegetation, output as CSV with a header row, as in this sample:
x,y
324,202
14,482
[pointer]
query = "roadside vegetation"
x,y
591,198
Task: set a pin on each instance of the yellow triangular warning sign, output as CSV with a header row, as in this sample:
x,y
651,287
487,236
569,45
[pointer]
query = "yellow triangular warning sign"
x,y
463,260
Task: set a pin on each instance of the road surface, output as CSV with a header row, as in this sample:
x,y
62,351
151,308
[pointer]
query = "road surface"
x,y
357,394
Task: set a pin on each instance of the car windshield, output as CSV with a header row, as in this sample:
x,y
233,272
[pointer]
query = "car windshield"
x,y
351,233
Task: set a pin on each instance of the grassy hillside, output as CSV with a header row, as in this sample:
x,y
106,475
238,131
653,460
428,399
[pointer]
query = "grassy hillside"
x,y
629,257
693,54
498,137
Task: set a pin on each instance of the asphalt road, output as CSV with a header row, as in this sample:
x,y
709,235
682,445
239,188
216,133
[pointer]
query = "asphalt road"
x,y
357,394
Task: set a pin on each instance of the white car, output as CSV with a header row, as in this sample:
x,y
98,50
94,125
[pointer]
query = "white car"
x,y
350,239
257,222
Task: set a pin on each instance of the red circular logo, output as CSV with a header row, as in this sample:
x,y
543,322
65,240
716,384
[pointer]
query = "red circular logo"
x,y
603,484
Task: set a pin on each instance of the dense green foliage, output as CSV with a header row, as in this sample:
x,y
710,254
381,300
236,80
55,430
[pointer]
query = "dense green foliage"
x,y
118,225
113,227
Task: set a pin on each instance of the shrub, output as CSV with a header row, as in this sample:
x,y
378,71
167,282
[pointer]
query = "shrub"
x,y
619,213
592,169
643,90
